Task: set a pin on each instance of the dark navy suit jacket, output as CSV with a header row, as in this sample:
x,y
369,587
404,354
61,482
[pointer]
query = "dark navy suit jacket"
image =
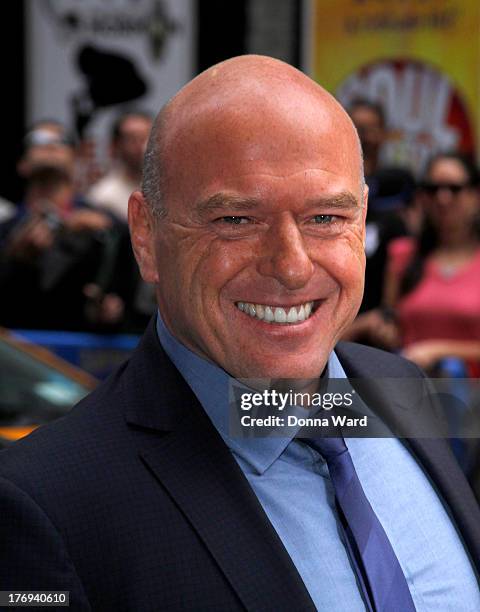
x,y
133,502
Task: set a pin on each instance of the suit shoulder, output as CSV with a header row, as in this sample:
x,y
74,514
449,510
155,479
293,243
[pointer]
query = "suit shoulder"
x,y
365,361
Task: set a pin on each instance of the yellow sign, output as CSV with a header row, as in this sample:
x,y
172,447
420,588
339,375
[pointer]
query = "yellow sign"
x,y
419,58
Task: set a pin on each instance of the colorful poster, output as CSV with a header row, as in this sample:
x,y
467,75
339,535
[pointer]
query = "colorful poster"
x,y
88,60
420,59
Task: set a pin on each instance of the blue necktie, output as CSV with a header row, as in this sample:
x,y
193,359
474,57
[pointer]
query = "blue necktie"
x,y
387,588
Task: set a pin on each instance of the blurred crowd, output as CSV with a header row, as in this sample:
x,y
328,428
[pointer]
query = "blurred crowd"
x,y
422,286
65,256
66,261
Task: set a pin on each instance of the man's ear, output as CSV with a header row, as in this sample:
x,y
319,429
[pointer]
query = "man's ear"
x,y
365,202
142,235
364,214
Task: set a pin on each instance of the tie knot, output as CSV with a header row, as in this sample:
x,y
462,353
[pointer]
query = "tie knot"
x,y
329,448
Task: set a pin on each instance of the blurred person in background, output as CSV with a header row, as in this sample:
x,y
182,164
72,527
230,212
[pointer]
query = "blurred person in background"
x,y
432,285
391,207
433,282
50,250
393,212
369,119
47,143
129,137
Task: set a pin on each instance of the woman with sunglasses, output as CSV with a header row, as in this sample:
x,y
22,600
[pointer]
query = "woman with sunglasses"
x,y
433,282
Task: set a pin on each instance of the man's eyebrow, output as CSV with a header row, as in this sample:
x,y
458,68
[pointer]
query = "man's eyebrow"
x,y
221,202
226,202
341,200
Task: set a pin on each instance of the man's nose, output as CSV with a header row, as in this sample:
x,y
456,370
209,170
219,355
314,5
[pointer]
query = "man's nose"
x,y
285,257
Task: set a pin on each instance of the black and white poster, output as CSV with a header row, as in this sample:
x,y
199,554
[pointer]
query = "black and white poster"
x,y
87,60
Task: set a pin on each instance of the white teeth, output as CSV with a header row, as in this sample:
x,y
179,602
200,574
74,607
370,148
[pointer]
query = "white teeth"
x,y
269,314
277,314
292,315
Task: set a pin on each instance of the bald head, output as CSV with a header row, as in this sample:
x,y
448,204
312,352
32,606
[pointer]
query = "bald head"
x,y
244,97
259,171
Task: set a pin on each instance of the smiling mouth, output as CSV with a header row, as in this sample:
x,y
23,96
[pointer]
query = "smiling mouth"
x,y
276,314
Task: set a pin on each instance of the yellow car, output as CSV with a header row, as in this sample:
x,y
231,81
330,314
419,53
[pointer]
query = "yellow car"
x,y
35,387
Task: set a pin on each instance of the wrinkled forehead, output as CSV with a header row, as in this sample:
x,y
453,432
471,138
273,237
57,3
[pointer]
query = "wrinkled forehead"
x,y
273,126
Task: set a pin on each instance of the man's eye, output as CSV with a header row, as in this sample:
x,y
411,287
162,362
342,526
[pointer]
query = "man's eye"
x,y
323,219
233,220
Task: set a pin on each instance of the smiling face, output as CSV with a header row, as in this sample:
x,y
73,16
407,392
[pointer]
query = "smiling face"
x,y
259,262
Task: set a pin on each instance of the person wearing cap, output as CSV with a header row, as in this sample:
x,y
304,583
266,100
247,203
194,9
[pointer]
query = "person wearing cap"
x,y
47,143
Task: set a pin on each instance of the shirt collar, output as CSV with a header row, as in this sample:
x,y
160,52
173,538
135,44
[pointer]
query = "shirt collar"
x,y
210,383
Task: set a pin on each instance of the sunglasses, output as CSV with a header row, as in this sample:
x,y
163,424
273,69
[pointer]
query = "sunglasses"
x,y
453,188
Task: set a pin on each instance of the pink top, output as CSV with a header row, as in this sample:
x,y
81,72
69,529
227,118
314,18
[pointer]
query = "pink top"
x,y
441,306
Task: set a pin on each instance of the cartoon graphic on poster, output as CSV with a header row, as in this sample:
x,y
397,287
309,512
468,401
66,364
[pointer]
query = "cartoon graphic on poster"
x,y
88,60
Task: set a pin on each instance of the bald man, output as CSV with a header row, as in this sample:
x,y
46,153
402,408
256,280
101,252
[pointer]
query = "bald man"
x,y
250,224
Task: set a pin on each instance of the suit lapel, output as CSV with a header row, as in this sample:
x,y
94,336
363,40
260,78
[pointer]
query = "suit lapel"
x,y
433,454
192,463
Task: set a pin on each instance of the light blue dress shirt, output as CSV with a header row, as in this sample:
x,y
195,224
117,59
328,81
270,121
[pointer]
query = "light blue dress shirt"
x,y
293,486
